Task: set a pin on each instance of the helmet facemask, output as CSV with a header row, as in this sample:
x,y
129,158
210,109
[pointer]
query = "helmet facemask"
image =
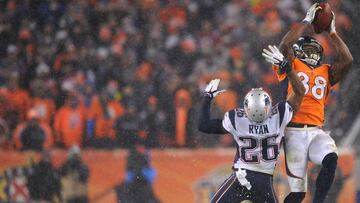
x,y
312,53
257,105
308,50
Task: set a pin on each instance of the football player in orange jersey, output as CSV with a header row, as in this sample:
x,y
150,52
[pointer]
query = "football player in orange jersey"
x,y
304,138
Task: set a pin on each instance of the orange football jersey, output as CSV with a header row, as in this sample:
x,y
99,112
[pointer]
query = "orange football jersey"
x,y
317,85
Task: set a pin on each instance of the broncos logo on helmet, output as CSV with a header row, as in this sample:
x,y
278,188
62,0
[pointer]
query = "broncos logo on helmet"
x,y
308,50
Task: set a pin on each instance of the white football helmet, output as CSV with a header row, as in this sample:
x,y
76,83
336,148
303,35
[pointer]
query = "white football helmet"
x,y
257,105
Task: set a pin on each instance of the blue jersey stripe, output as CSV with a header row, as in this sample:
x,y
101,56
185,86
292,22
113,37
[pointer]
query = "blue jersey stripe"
x,y
284,84
281,108
237,155
232,118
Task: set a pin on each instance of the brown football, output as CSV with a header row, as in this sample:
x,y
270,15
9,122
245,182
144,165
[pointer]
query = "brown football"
x,y
323,18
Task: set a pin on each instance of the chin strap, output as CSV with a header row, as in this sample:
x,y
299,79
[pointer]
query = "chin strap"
x,y
308,62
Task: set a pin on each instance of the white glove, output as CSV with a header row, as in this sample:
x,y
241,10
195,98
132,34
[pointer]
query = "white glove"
x,y
332,28
211,89
310,14
275,57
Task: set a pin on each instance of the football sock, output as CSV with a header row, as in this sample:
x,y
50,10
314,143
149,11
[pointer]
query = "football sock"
x,y
325,177
294,197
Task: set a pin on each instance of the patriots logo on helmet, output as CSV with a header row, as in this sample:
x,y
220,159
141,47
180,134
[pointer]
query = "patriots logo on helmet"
x,y
257,105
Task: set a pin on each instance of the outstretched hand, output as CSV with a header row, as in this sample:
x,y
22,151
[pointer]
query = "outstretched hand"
x,y
310,14
275,57
211,89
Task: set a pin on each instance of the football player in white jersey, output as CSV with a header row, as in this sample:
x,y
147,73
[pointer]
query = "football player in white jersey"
x,y
258,130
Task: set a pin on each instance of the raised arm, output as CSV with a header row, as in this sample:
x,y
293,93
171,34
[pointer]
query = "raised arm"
x,y
274,56
290,38
293,35
343,60
207,125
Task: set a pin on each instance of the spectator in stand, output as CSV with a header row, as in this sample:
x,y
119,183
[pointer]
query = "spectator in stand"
x,y
143,84
69,123
127,127
74,178
182,103
33,134
110,111
228,100
151,122
5,142
5,105
19,100
92,108
42,103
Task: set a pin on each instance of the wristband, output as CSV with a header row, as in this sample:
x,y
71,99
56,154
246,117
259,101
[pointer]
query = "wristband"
x,y
288,70
285,65
208,95
306,21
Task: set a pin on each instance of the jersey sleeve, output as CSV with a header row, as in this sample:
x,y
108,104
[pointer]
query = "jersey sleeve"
x,y
285,112
229,122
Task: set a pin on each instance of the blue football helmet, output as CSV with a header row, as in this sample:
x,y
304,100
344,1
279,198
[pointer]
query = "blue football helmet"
x,y
308,50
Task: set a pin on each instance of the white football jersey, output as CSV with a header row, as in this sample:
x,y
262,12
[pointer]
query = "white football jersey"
x,y
258,145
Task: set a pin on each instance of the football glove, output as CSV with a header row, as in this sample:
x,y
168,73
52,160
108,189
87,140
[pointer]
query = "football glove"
x,y
275,57
211,89
310,14
332,28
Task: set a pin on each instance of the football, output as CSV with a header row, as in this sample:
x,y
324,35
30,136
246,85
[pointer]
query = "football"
x,y
323,18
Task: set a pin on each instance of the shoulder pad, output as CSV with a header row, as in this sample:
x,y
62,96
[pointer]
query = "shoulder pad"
x,y
274,109
240,112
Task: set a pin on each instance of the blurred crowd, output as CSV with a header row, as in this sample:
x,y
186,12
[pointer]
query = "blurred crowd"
x,y
102,73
